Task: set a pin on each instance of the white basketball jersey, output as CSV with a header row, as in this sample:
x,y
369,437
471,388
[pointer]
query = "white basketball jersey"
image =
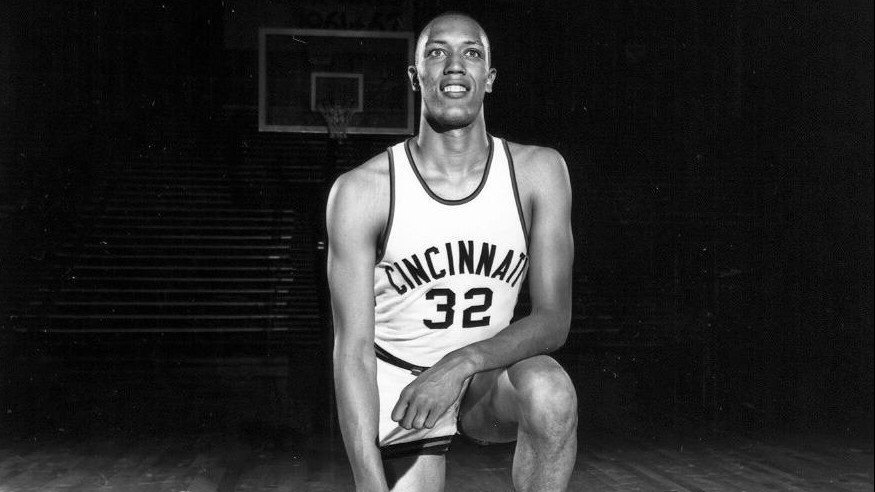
x,y
450,270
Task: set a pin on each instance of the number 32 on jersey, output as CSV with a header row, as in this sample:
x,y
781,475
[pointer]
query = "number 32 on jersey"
x,y
480,300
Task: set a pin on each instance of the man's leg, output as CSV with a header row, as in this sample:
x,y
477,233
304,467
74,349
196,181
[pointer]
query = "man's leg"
x,y
424,473
534,402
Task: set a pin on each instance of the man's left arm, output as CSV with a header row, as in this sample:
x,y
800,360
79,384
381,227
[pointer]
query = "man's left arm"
x,y
551,253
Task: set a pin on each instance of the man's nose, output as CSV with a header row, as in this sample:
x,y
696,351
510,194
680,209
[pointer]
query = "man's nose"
x,y
454,64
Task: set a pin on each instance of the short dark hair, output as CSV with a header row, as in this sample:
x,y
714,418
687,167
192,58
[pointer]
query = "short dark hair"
x,y
451,13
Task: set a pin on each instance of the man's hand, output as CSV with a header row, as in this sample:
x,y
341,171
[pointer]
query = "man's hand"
x,y
429,396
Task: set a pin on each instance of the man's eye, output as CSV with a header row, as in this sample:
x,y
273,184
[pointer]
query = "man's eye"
x,y
474,53
435,52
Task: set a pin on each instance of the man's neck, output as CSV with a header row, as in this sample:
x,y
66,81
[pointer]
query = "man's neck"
x,y
452,151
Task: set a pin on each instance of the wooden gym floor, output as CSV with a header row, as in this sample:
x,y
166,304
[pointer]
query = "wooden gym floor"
x,y
699,461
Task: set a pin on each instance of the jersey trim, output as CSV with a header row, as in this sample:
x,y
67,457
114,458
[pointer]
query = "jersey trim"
x,y
397,362
388,228
432,445
445,201
516,193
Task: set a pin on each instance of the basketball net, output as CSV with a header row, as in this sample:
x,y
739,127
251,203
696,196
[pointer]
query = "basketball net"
x,y
337,118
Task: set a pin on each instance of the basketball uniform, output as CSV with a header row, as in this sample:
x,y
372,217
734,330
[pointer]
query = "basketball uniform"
x,y
448,275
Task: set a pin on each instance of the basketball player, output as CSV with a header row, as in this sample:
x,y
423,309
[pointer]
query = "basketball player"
x,y
429,244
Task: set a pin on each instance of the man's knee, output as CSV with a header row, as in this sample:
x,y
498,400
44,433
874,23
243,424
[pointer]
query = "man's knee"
x,y
546,397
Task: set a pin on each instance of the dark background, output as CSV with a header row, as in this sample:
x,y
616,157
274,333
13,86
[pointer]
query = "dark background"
x,y
721,155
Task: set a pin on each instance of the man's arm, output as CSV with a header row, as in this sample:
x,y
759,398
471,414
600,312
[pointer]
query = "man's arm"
x,y
551,252
352,236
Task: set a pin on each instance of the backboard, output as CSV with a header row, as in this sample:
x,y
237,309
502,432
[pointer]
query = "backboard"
x,y
301,70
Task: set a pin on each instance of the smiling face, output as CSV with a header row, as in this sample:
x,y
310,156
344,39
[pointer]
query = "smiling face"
x,y
452,70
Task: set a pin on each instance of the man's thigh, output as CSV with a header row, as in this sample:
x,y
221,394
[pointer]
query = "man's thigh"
x,y
490,410
420,473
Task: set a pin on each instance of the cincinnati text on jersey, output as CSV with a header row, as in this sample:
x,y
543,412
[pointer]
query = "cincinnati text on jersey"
x,y
456,258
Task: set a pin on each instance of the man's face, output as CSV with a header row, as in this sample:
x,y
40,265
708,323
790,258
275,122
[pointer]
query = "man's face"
x,y
452,71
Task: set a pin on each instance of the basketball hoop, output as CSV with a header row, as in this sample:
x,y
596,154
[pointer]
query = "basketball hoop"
x,y
337,118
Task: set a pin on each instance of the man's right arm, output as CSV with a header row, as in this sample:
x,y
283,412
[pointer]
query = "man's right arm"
x,y
352,219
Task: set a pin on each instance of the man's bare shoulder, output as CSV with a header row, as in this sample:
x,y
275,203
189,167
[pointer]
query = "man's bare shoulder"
x,y
537,166
369,179
360,196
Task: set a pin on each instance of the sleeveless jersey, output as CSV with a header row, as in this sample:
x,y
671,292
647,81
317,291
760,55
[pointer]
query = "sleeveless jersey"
x,y
450,270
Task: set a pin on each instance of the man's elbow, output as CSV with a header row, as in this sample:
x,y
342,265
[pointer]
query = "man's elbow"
x,y
559,323
353,355
563,327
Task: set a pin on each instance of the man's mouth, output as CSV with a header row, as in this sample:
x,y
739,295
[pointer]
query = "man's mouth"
x,y
455,88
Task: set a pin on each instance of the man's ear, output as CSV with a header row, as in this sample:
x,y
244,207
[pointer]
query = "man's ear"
x,y
414,80
490,79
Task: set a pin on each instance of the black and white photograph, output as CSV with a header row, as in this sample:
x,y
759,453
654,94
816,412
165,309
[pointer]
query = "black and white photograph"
x,y
436,246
